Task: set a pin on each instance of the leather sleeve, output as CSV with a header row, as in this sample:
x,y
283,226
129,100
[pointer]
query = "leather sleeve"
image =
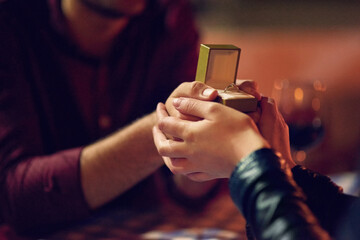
x,y
270,200
324,198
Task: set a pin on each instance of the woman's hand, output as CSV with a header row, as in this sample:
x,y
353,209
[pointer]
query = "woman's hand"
x,y
249,86
209,148
274,129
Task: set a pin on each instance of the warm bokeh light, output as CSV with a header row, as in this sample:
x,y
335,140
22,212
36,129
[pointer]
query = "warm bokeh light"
x,y
278,85
300,156
319,86
298,95
315,103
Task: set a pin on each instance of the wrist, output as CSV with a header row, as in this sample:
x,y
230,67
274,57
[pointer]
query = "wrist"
x,y
251,145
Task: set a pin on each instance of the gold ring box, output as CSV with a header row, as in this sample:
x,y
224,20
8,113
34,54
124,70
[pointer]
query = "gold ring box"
x,y
217,67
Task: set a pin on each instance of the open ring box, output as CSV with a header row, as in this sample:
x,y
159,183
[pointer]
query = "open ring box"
x,y
217,67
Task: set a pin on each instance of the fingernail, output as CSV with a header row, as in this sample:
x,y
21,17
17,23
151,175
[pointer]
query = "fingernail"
x,y
177,102
207,92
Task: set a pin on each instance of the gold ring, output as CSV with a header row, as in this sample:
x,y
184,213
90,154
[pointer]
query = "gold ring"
x,y
232,88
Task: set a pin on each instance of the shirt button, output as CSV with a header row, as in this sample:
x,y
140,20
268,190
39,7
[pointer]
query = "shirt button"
x,y
104,121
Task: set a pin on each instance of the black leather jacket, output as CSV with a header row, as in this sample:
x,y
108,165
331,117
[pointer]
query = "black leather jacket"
x,y
277,207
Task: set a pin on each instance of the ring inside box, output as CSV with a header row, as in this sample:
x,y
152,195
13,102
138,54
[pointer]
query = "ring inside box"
x,y
217,67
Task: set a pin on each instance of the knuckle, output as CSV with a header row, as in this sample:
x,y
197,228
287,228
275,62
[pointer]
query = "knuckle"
x,y
196,87
254,84
182,85
189,105
189,135
162,150
248,121
286,127
213,108
199,177
175,171
161,124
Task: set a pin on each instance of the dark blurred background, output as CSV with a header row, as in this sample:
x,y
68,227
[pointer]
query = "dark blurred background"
x,y
305,41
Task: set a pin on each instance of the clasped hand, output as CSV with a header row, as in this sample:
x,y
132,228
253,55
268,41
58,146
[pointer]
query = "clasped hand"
x,y
209,139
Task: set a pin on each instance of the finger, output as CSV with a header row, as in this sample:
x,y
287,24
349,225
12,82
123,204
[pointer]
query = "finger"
x,y
159,137
197,90
179,162
161,111
174,127
197,108
256,115
170,166
181,166
199,176
250,87
161,114
275,108
177,165
268,107
247,83
168,147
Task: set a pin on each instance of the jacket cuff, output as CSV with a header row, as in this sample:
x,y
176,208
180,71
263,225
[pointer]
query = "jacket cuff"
x,y
248,171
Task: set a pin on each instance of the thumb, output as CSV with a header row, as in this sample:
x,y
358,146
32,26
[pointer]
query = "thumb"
x,y
194,107
201,91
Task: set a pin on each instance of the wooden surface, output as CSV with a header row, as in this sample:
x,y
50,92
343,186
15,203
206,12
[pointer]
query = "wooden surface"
x,y
219,217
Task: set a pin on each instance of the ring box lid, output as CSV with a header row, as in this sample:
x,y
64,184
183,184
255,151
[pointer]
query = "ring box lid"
x,y
217,65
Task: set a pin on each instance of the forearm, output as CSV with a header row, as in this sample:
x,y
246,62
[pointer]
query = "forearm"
x,y
112,165
59,188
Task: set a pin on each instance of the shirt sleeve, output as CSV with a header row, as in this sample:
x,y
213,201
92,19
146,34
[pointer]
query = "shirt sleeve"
x,y
38,187
270,200
43,191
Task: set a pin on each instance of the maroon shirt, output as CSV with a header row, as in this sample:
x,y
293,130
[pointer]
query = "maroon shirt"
x,y
54,99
